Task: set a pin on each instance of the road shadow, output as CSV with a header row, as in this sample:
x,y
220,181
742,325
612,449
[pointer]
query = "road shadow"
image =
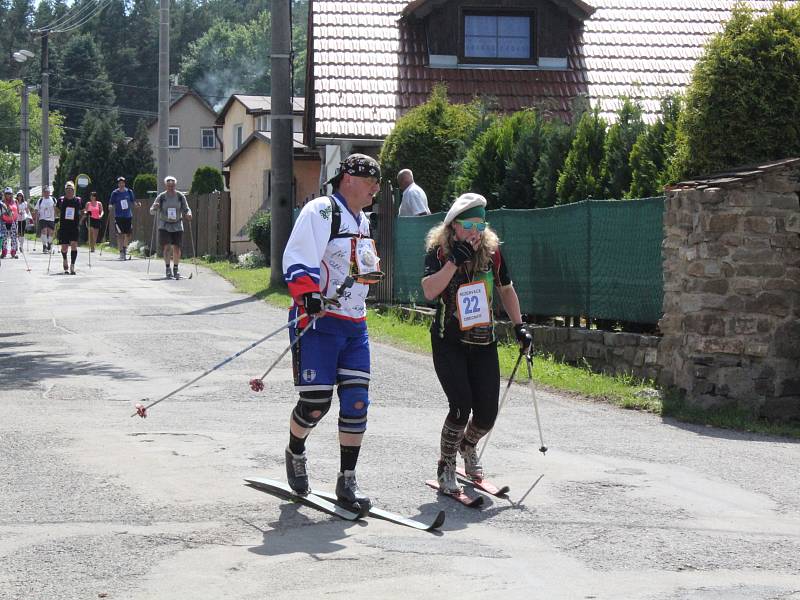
x,y
24,370
296,532
206,310
728,434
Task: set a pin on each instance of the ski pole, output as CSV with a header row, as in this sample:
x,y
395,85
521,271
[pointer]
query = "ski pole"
x,y
258,384
35,232
502,402
194,251
141,410
150,248
27,266
108,224
529,360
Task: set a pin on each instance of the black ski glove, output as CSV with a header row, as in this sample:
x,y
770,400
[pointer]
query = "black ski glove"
x,y
312,303
524,336
461,253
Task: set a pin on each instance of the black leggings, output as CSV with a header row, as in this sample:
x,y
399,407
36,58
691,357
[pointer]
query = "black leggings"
x,y
470,378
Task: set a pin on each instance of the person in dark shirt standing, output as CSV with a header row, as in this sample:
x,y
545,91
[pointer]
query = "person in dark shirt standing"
x,y
69,209
122,199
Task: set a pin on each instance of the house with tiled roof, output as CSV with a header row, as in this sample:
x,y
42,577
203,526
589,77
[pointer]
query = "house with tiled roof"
x,y
192,140
369,62
246,125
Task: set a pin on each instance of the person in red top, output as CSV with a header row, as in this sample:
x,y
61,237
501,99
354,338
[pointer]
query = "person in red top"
x,y
94,211
9,223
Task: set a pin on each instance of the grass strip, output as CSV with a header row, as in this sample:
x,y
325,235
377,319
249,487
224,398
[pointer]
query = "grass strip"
x,y
625,391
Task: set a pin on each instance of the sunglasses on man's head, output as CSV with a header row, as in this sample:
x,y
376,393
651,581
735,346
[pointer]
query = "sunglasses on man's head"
x,y
470,224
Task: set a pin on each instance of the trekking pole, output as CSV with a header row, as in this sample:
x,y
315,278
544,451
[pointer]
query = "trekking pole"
x,y
502,402
27,266
50,254
108,224
194,250
35,232
529,360
141,410
150,247
257,384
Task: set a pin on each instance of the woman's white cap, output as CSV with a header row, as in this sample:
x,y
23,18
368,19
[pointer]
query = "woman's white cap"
x,y
170,178
462,203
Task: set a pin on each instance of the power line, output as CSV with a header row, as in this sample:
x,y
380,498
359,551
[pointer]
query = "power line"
x,y
88,106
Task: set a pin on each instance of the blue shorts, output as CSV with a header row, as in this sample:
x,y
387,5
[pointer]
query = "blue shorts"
x,y
322,360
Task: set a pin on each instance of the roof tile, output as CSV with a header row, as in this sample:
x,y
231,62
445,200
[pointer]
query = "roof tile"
x,y
369,67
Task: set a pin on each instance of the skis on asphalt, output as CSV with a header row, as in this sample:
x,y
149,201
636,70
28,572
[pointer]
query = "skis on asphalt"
x,y
394,517
483,484
471,501
281,489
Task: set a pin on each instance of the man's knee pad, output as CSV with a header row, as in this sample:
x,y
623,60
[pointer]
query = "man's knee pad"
x,y
311,408
353,406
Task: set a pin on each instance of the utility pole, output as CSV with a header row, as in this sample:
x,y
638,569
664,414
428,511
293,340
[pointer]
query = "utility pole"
x,y
45,112
23,143
282,146
163,92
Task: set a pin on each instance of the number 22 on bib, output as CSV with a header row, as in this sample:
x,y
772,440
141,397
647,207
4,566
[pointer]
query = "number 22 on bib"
x,y
473,305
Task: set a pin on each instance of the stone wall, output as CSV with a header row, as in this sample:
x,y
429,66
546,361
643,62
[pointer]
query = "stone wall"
x,y
731,321
603,351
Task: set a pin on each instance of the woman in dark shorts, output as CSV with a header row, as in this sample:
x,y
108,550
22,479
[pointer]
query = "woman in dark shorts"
x,y
94,210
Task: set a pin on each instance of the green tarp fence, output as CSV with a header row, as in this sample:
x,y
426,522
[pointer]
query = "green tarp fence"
x,y
600,258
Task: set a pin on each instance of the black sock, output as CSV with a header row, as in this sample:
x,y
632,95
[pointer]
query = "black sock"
x,y
72,256
349,457
64,254
296,445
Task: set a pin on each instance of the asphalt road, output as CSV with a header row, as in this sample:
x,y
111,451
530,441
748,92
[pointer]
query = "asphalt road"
x,y
94,503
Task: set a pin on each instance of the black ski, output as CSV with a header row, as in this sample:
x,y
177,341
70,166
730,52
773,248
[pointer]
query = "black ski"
x,y
281,489
471,501
394,517
483,484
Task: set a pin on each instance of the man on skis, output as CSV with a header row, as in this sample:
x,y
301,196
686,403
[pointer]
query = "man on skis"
x,y
330,241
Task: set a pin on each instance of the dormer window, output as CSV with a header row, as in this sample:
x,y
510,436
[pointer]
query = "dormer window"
x,y
497,37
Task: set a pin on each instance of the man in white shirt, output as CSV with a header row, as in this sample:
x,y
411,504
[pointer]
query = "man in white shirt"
x,y
414,201
45,213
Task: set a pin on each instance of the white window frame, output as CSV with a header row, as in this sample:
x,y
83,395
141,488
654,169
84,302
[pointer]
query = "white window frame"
x,y
262,121
177,133
203,131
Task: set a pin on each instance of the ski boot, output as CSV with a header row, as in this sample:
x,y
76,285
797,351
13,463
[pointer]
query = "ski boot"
x,y
471,465
446,476
175,274
169,273
296,473
349,495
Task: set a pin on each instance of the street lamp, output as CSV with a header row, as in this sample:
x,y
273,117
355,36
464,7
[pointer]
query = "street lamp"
x,y
22,56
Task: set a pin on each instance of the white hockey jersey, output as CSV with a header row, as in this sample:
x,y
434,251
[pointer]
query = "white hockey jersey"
x,y
313,262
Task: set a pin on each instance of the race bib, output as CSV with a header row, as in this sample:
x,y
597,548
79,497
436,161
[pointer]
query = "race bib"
x,y
172,213
123,205
473,305
69,213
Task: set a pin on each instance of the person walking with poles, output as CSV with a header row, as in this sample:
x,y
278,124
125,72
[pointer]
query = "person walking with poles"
x,y
8,221
94,211
45,212
69,207
463,267
329,242
122,199
171,206
23,214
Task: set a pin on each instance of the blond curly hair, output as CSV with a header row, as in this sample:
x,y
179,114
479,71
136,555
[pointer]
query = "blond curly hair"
x,y
443,236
